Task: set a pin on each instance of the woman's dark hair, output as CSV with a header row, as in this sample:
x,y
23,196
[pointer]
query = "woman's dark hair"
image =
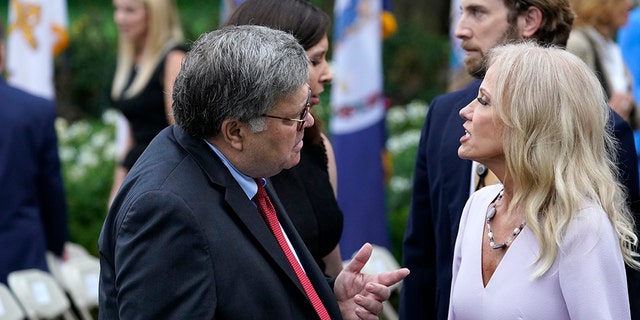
x,y
302,19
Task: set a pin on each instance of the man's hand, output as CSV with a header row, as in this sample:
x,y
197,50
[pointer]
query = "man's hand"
x,y
360,295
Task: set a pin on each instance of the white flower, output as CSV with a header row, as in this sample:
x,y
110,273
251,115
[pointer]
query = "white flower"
x,y
399,143
400,184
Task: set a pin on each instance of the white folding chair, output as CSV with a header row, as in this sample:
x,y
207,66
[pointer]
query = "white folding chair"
x,y
73,251
40,294
381,261
10,308
80,279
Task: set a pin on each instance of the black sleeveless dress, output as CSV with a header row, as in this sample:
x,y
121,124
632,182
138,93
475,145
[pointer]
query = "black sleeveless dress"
x,y
307,195
145,112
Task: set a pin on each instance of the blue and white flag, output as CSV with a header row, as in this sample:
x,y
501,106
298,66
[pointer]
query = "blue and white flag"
x,y
37,31
357,123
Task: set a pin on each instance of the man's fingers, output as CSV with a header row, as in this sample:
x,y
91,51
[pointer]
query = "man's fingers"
x,y
392,277
379,291
359,259
369,304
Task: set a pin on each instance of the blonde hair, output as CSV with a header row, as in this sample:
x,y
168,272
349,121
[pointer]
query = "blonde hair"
x,y
596,13
164,32
557,147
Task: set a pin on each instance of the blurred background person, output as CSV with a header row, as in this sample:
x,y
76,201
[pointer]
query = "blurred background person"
x,y
308,190
33,211
556,233
629,41
593,39
150,51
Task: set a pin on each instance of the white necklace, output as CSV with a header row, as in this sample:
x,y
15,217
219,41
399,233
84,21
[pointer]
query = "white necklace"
x,y
491,212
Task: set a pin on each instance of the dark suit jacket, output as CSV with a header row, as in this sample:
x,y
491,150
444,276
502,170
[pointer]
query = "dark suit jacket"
x,y
33,216
183,241
440,190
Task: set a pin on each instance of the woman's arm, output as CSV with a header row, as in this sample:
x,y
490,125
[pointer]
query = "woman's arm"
x,y
172,66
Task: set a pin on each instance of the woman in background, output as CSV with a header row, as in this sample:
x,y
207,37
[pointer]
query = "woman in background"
x,y
150,51
552,240
593,40
308,190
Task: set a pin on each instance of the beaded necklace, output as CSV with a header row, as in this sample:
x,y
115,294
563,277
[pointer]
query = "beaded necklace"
x,y
491,212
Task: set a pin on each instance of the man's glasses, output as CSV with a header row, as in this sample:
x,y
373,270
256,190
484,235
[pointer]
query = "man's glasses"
x,y
303,115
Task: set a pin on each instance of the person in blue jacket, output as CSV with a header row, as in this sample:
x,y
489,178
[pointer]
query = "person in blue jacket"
x,y
33,211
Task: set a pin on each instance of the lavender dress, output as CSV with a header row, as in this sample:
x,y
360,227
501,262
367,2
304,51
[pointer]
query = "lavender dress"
x,y
587,280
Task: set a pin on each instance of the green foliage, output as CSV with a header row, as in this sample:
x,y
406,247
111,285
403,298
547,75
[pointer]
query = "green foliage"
x,y
84,71
414,64
403,124
198,16
87,153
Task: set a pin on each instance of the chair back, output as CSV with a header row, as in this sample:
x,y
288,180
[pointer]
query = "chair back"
x,y
10,308
80,277
39,294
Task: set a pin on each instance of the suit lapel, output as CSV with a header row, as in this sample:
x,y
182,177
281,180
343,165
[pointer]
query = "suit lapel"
x,y
248,214
244,208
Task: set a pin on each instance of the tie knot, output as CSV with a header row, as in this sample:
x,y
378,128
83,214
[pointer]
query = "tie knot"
x,y
262,193
265,207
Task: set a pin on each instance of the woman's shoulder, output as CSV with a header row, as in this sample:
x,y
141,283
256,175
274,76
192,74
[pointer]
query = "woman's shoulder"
x,y
589,225
488,192
590,215
481,198
579,43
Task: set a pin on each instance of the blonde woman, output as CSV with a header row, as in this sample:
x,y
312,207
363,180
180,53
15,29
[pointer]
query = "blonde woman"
x,y
150,51
552,240
593,40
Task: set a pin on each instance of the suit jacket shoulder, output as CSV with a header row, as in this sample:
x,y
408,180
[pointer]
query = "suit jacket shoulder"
x,y
181,213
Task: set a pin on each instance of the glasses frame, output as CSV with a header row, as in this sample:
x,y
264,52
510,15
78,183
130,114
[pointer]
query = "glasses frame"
x,y
303,115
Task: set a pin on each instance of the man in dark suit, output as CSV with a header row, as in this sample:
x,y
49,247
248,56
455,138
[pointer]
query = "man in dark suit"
x,y
443,182
33,212
183,238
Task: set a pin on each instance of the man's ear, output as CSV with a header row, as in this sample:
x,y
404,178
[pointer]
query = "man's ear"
x,y
233,132
529,22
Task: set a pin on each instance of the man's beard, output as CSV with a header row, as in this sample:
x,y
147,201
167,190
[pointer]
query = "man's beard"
x,y
478,71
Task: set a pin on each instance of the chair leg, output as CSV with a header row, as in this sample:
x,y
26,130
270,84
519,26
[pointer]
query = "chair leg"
x,y
68,315
85,314
388,311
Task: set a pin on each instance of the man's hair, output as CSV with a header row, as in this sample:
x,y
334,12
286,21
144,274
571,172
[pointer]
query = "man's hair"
x,y
557,19
308,23
239,73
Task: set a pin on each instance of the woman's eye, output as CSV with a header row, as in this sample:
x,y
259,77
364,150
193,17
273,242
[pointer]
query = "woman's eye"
x,y
483,102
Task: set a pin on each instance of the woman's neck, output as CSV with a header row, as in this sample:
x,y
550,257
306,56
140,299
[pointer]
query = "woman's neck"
x,y
605,31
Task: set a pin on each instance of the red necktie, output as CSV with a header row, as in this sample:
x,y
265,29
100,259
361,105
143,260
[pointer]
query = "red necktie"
x,y
268,212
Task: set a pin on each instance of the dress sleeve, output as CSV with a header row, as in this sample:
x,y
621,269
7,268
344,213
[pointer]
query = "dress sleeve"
x,y
591,269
